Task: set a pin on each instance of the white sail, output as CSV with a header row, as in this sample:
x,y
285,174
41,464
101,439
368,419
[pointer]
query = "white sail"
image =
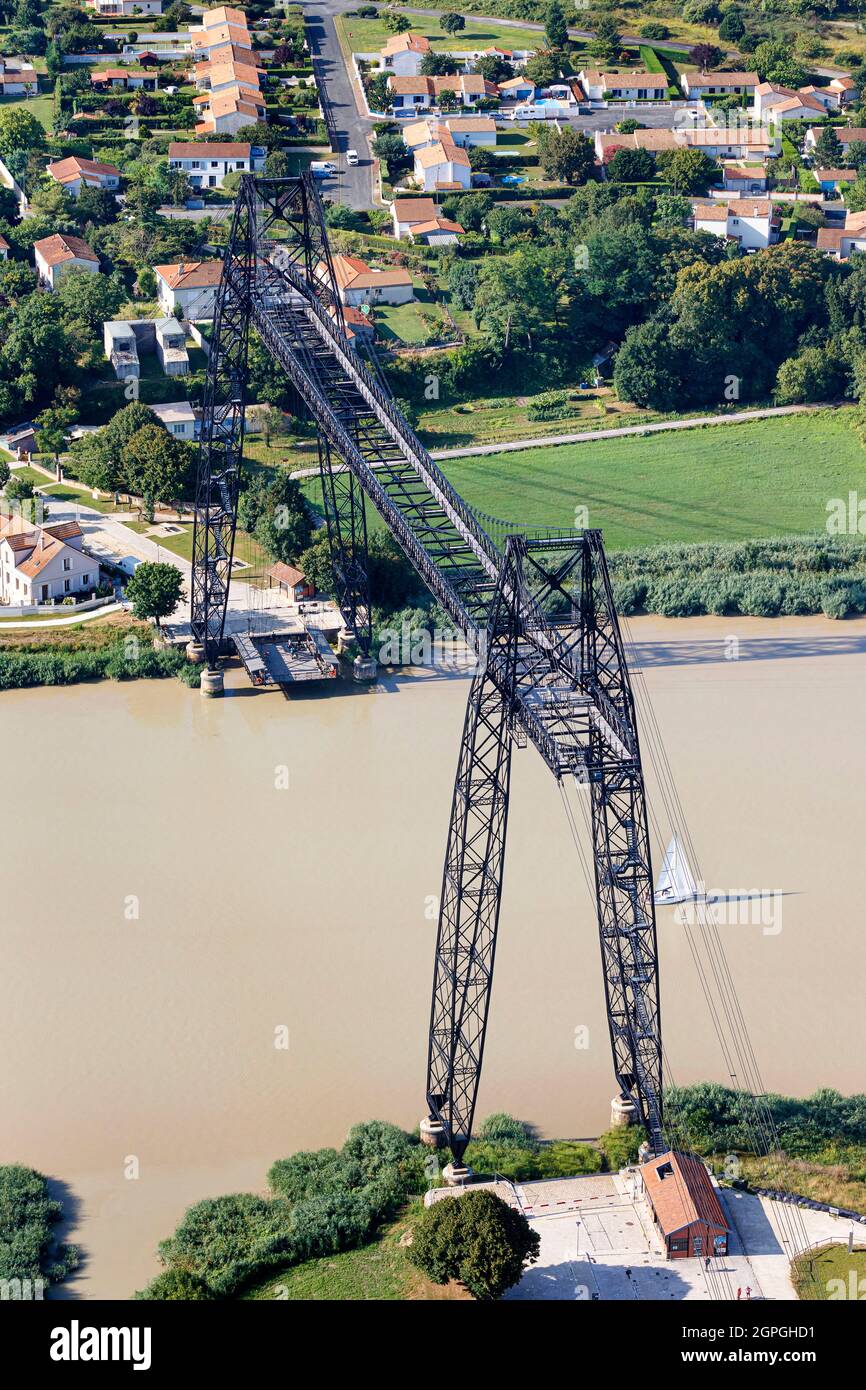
x,y
676,882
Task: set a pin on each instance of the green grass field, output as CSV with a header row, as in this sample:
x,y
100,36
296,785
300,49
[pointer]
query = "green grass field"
x,y
814,1275
720,482
369,35
42,107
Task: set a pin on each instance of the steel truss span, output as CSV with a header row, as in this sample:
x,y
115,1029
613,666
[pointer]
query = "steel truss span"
x,y
539,614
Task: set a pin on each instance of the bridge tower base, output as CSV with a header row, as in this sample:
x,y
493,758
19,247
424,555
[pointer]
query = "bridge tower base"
x,y
212,683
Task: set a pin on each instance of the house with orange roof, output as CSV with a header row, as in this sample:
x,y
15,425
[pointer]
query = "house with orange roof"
x,y
190,286
750,221
685,1206
358,283
442,166
39,564
403,54
75,173
55,256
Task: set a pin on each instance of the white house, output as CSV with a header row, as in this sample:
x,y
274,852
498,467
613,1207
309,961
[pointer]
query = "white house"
x,y
407,213
517,89
18,78
700,85
120,80
75,173
467,132
56,255
442,166
777,104
753,222
225,113
190,286
439,231
358,283
418,93
178,417
404,53
40,563
125,8
848,135
842,242
206,164
624,86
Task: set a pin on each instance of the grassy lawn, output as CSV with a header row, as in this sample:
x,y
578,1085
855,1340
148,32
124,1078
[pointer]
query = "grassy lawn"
x,y
69,492
497,420
721,482
90,636
42,107
813,1273
839,1182
369,35
247,548
376,1272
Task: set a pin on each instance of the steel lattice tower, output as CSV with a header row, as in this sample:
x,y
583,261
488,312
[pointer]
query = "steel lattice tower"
x,y
539,614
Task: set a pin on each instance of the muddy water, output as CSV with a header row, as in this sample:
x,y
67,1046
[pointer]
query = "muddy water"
x,y
170,912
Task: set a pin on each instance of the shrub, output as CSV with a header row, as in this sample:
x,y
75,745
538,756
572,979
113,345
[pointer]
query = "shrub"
x,y
225,1240
475,1238
562,1159
506,1160
620,1146
339,1221
505,1129
176,1285
27,1217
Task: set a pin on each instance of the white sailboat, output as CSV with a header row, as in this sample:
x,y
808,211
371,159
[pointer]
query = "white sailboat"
x,y
676,882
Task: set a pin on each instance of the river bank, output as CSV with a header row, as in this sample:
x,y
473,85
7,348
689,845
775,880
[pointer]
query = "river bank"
x,y
174,906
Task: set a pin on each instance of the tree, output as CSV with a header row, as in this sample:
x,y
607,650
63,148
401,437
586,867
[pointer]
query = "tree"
x,y
463,283
176,1285
608,40
774,61
452,23
542,68
476,1238
20,133
158,467
155,590
555,25
705,55
53,424
828,149
732,27
391,149
631,166
855,196
566,154
18,490
89,299
688,170
813,374
435,64
856,154
672,210
5,473
397,23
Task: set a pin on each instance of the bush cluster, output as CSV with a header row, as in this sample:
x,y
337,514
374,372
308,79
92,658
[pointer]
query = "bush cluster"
x,y
19,669
323,1201
718,1119
761,578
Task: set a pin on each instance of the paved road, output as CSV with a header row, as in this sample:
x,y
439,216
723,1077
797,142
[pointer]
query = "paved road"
x,y
353,187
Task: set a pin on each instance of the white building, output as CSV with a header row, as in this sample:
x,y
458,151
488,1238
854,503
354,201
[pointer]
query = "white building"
x,y
75,174
700,85
777,104
623,86
190,286
56,255
18,78
442,166
847,134
407,213
207,163
121,348
171,347
40,563
125,8
178,417
752,222
842,242
404,53
358,283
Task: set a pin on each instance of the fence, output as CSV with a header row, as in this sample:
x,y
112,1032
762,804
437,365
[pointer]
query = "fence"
x,y
59,610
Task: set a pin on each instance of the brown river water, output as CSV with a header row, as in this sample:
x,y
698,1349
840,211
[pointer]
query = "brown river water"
x,y
170,912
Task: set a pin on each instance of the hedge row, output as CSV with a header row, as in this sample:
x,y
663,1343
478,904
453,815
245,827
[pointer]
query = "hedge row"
x,y
762,578
19,670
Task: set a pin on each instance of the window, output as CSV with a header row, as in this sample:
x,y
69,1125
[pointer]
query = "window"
x,y
67,585
678,1245
67,564
85,578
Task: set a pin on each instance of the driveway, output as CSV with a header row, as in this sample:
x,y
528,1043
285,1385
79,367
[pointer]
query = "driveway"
x,y
352,187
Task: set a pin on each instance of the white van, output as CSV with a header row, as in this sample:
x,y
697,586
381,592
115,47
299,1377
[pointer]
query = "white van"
x,y
352,158
322,168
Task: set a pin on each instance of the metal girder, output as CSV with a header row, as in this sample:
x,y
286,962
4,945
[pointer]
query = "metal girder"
x,y
472,879
222,437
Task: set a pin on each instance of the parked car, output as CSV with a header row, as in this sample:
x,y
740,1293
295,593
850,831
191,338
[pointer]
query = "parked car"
x,y
352,158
